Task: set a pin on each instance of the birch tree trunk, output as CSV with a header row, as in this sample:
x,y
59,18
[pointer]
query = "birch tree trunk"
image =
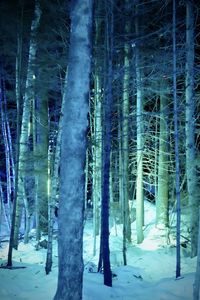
x,y
140,143
97,164
73,154
190,129
97,134
29,95
125,141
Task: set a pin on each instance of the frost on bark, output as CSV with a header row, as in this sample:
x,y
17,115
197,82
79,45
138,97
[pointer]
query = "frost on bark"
x,y
73,153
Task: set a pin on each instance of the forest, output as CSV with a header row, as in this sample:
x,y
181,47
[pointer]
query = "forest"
x,y
99,126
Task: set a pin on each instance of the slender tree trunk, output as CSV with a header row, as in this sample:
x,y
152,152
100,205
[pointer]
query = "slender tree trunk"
x,y
97,128
140,144
54,179
97,153
6,141
122,204
196,286
124,156
3,209
163,176
107,106
18,91
18,102
40,118
190,129
73,151
156,145
86,178
106,148
125,142
27,218
29,95
176,138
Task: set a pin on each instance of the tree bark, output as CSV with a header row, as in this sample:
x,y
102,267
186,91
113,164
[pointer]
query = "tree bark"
x,y
190,129
176,138
23,147
73,153
125,145
140,143
40,119
97,153
53,190
104,258
163,176
196,286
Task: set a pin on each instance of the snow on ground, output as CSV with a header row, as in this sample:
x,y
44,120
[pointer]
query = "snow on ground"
x,y
150,272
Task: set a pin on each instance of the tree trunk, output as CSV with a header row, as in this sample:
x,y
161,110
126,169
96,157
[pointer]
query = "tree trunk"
x,y
106,149
73,153
27,218
97,127
140,144
40,119
7,144
163,176
125,140
196,286
190,129
176,138
97,153
53,190
29,93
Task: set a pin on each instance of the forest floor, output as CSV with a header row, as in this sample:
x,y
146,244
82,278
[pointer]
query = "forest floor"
x,y
150,272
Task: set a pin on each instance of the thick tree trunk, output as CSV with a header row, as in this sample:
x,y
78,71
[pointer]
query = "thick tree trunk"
x,y
73,153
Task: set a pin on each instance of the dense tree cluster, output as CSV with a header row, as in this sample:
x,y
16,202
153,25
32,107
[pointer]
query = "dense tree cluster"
x,y
141,119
